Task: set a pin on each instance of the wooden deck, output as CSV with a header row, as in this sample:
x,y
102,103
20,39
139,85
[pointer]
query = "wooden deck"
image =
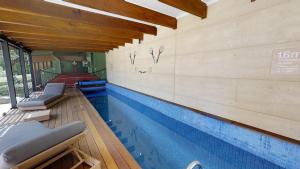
x,y
100,142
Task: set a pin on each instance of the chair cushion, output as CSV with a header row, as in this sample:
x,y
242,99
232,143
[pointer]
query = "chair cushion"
x,y
42,100
54,89
23,141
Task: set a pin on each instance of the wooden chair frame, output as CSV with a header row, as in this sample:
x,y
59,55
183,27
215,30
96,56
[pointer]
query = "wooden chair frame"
x,y
55,153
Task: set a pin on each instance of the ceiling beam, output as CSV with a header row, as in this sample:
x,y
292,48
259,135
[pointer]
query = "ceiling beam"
x,y
14,36
43,8
195,7
20,37
74,49
42,58
11,17
69,50
9,28
124,8
37,41
65,35
71,44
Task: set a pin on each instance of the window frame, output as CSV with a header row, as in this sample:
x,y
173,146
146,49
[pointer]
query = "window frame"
x,y
5,44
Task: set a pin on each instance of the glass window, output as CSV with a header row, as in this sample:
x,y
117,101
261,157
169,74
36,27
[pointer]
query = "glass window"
x,y
28,71
4,94
17,73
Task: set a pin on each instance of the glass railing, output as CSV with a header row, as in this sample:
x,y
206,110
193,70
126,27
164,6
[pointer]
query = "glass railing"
x,y
48,75
101,74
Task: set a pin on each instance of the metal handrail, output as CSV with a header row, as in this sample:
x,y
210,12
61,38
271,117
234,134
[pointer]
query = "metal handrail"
x,y
100,73
46,76
194,164
44,71
99,70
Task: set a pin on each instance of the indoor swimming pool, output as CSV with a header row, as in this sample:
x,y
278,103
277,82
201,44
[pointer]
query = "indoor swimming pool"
x,y
157,141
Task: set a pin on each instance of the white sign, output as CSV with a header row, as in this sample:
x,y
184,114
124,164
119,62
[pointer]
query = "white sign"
x,y
286,62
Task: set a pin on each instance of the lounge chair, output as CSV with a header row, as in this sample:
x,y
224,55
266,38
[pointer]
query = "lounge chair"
x,y
31,144
53,93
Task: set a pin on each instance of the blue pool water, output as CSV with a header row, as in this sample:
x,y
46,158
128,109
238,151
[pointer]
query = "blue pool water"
x,y
157,141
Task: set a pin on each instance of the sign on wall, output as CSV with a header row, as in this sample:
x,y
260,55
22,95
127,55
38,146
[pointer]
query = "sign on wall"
x,y
286,62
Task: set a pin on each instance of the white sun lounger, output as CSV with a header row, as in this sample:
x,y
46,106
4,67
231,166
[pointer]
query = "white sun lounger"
x,y
53,94
31,144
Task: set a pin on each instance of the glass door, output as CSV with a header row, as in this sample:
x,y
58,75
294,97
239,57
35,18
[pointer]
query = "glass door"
x,y
5,104
17,73
28,71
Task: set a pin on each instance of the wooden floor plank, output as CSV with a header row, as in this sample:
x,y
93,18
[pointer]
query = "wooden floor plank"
x,y
92,143
9,115
68,160
70,119
75,108
58,123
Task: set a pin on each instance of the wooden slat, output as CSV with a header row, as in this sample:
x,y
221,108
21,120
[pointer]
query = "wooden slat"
x,y
58,41
60,36
42,8
75,114
124,8
195,7
69,44
70,48
75,49
20,37
43,58
27,43
5,27
19,19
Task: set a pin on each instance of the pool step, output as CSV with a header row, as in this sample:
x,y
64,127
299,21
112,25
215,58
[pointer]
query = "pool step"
x,y
130,148
124,140
118,134
139,157
97,94
109,123
113,128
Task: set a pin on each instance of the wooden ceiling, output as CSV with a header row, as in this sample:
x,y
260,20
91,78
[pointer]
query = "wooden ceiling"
x,y
40,25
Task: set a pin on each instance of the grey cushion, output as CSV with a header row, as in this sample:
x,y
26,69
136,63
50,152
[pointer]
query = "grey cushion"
x,y
54,89
42,100
21,142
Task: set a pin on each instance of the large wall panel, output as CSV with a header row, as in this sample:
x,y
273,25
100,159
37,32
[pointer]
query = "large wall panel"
x,y
222,65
